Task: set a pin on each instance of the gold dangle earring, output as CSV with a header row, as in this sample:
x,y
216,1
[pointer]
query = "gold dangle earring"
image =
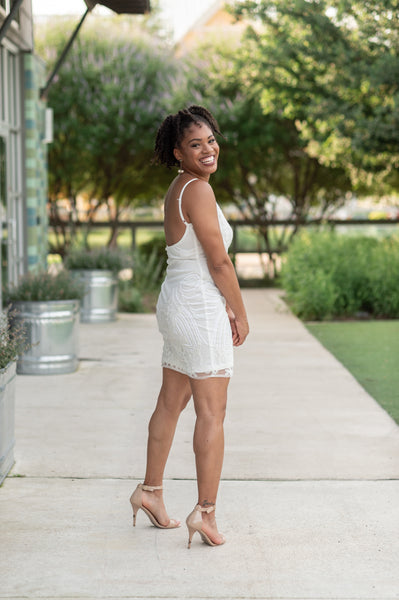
x,y
181,170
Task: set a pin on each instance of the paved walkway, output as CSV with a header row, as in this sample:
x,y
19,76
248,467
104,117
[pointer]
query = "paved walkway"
x,y
309,500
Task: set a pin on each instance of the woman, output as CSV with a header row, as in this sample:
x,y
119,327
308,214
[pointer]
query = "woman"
x,y
201,316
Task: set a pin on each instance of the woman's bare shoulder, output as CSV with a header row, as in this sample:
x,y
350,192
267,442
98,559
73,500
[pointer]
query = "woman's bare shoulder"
x,y
200,184
200,203
175,188
199,189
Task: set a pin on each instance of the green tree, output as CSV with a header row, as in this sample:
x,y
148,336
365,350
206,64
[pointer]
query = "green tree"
x,y
264,157
331,67
111,95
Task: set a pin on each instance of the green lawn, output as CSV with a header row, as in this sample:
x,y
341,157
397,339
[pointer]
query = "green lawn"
x,y
370,351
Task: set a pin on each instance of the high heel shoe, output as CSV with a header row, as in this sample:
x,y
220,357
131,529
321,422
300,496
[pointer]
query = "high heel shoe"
x,y
194,523
136,500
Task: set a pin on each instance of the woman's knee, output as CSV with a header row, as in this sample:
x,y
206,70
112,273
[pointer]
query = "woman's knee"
x,y
184,399
174,400
212,415
210,408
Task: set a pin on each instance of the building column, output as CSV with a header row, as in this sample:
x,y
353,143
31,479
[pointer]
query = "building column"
x,y
36,190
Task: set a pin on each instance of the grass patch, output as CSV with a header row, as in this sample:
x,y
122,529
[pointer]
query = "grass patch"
x,y
370,351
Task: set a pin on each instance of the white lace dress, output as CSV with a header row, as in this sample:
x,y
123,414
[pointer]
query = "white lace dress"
x,y
191,311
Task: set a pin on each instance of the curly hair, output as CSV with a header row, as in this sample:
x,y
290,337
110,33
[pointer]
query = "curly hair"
x,y
172,130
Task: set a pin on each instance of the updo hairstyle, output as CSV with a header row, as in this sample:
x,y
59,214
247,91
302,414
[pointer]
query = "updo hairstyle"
x,y
171,132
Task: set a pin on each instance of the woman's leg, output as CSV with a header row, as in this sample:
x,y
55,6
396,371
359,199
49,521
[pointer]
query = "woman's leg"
x,y
173,397
210,398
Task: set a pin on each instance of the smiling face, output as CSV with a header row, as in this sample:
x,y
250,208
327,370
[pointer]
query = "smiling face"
x,y
198,151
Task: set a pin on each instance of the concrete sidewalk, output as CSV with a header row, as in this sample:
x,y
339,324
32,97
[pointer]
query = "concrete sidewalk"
x,y
309,500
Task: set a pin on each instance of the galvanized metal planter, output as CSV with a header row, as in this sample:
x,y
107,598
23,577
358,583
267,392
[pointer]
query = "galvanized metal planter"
x,y
100,302
52,329
7,411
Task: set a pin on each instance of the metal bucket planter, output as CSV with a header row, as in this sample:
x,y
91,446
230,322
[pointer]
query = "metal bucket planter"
x,y
52,329
7,411
100,302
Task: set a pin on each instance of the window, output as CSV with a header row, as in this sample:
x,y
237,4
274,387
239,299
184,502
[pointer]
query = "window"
x,y
6,5
11,176
12,90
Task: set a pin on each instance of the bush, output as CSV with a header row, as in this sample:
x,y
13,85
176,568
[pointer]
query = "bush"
x,y
13,338
129,298
326,275
154,252
99,258
43,287
384,279
140,293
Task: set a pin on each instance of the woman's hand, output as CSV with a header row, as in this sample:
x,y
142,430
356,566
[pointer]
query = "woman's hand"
x,y
242,329
239,327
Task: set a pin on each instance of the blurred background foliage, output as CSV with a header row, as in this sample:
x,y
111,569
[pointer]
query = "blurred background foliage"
x,y
306,95
307,98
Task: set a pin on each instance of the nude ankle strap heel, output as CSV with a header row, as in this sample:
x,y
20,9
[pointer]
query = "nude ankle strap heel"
x,y
150,488
136,500
194,523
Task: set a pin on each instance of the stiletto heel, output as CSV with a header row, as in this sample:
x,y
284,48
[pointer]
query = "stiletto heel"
x,y
194,523
136,500
135,510
191,531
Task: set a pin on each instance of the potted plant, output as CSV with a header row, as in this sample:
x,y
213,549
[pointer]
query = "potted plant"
x,y
98,271
12,343
48,306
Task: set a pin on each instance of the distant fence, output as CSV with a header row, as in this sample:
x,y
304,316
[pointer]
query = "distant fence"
x,y
134,226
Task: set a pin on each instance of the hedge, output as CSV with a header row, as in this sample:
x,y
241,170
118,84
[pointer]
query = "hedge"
x,y
327,275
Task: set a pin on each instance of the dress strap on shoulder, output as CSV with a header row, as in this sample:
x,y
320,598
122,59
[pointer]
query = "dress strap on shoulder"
x,y
180,199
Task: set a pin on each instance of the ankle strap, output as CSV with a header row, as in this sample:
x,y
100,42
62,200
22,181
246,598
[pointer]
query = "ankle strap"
x,y
150,488
205,509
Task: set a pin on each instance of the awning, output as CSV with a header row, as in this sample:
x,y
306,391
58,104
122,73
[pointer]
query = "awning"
x,y
130,7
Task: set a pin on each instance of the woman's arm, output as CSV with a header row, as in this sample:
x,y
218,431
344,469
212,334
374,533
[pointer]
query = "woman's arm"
x,y
200,208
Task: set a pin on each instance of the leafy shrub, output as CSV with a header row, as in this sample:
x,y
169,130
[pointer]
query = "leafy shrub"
x,y
139,294
43,287
326,276
384,279
13,338
129,298
147,270
154,251
98,258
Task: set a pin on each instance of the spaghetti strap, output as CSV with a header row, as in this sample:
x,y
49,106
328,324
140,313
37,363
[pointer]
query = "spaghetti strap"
x,y
180,199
